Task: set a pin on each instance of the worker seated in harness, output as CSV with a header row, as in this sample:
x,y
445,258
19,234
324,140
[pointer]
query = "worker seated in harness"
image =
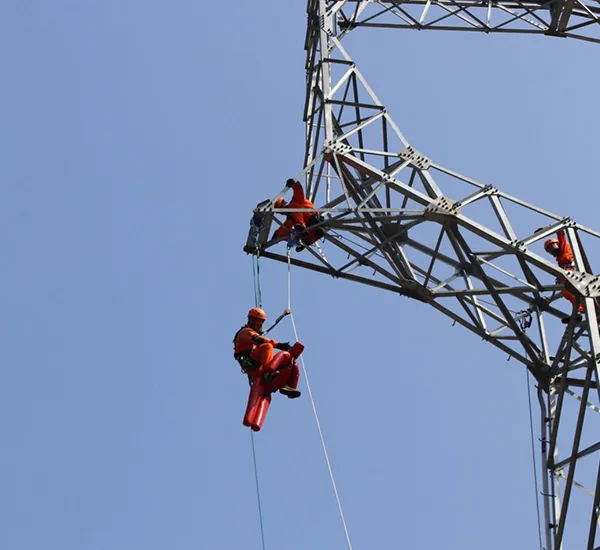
x,y
562,251
267,373
299,227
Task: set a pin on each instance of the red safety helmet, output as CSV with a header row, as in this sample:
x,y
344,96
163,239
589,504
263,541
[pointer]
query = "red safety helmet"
x,y
550,244
257,313
280,203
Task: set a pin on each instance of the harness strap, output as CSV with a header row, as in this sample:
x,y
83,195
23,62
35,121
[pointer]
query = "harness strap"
x,y
245,361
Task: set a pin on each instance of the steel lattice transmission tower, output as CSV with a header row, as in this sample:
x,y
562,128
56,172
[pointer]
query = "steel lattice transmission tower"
x,y
398,221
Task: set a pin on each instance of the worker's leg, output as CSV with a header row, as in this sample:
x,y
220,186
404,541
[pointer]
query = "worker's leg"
x,y
286,380
283,231
285,376
571,297
263,354
261,413
258,405
296,350
287,372
312,236
280,360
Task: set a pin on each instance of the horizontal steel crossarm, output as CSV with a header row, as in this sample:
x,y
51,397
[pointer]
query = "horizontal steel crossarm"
x,y
500,287
335,273
471,323
472,326
577,19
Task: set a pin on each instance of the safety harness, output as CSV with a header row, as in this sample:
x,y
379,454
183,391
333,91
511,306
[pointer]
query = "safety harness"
x,y
244,357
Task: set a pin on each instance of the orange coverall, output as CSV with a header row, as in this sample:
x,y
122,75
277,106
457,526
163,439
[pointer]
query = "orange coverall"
x,y
566,261
260,350
299,200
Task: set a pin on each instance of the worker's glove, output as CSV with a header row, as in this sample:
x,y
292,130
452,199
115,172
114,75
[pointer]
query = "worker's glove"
x,y
284,346
290,182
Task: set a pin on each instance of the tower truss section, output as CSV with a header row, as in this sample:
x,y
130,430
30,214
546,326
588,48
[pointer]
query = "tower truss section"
x,y
395,219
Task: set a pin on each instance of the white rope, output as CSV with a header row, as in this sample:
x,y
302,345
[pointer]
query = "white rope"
x,y
314,408
260,514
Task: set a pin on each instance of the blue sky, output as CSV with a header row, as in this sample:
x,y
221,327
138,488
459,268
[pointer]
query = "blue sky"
x,y
136,139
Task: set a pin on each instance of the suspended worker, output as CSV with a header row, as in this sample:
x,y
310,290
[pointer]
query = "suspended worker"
x,y
267,372
562,251
299,225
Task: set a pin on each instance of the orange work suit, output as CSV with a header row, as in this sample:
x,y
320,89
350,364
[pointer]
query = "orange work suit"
x,y
267,372
299,200
566,261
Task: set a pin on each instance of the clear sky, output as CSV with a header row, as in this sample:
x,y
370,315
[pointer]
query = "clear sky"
x,y
136,139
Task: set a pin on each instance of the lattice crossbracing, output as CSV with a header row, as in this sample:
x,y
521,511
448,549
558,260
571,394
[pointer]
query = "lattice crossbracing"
x,y
397,220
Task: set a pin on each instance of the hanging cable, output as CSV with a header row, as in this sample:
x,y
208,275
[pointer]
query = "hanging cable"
x,y
535,479
314,408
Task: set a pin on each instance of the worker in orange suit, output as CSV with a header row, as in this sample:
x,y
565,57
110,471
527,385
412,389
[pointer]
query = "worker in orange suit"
x,y
562,251
267,372
299,222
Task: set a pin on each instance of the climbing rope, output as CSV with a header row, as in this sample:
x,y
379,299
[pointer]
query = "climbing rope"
x,y
256,275
535,478
260,515
314,409
257,303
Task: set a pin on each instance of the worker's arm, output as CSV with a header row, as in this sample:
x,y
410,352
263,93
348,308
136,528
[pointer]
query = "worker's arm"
x,y
565,252
259,340
247,337
298,195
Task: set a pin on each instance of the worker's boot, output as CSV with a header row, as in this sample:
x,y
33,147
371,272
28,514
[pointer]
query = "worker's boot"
x,y
290,392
